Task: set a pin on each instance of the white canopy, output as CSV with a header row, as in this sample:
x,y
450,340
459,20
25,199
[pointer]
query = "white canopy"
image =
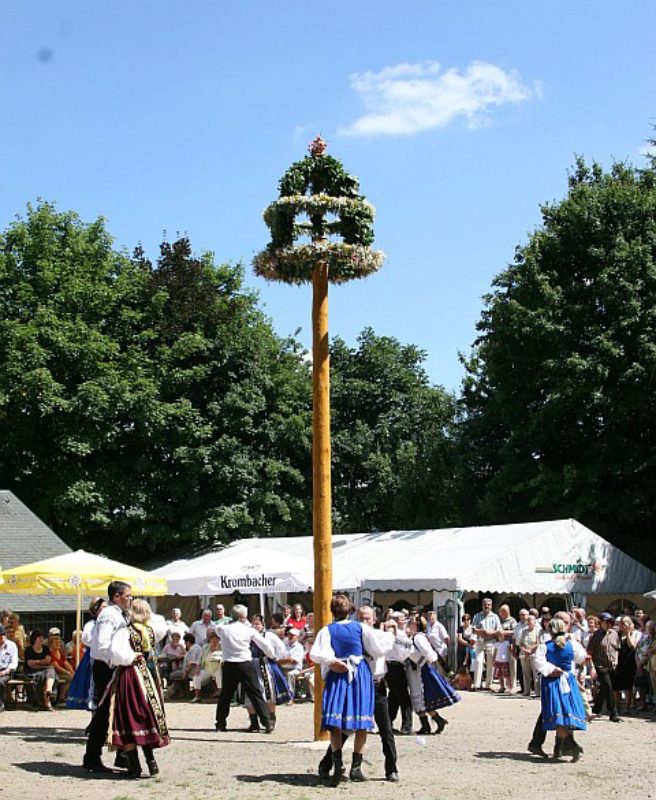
x,y
556,557
256,569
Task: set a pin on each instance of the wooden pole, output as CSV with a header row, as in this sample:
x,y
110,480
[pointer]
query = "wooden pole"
x,y
321,492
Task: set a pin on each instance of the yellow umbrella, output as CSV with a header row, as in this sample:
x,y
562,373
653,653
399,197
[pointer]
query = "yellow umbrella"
x,y
76,574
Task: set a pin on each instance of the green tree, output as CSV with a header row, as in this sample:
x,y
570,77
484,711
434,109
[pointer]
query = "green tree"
x,y
392,449
560,394
144,407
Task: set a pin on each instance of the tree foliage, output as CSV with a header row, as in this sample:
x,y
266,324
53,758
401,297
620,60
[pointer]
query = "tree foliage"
x,y
560,393
144,407
392,450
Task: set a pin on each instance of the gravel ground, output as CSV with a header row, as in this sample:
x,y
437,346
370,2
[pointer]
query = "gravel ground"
x,y
481,754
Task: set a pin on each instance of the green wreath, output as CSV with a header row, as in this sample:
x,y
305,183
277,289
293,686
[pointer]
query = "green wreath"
x,y
316,186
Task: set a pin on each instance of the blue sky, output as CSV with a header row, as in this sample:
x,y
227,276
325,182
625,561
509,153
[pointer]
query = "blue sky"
x,y
458,118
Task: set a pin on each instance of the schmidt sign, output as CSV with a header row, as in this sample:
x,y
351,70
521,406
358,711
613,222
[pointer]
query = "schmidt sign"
x,y
261,581
579,570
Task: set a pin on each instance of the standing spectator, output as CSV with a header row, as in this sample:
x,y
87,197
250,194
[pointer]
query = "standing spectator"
x,y
286,614
528,645
543,621
486,624
297,619
508,625
465,633
579,628
8,663
176,624
516,653
604,647
221,617
201,627
439,640
623,676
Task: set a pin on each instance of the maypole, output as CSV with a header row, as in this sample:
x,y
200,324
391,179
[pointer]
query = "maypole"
x,y
338,250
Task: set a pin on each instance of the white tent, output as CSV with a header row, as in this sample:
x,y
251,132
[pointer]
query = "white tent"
x,y
256,569
555,557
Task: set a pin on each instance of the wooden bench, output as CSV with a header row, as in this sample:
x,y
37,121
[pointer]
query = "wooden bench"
x,y
20,690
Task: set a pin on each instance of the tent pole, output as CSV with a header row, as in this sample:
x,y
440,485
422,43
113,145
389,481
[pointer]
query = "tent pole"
x,y
262,603
78,623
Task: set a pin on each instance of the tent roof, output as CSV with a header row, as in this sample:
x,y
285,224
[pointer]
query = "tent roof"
x,y
552,557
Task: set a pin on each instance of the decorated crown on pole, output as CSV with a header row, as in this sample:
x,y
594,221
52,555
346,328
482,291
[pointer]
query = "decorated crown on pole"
x,y
315,187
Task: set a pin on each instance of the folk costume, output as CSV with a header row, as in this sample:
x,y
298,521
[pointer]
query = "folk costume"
x,y
428,689
348,697
136,708
273,683
80,692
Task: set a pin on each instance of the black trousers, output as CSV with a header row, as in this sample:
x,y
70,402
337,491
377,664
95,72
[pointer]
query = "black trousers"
x,y
399,697
605,693
102,675
384,723
539,734
234,673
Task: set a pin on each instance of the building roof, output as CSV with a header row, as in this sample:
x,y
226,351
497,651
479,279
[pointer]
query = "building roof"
x,y
25,538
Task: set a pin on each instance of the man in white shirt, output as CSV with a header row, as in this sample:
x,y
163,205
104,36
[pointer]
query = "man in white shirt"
x,y
439,640
110,621
486,624
238,667
200,628
8,663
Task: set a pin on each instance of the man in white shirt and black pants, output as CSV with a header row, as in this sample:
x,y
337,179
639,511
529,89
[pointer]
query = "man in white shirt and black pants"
x,y
110,620
238,667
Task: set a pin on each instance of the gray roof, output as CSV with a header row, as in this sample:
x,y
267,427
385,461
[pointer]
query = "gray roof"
x,y
25,538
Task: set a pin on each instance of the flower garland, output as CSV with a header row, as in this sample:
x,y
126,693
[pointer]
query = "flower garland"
x,y
297,263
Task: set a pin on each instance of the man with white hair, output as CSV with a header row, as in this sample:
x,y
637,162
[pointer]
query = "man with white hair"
x,y
176,624
202,627
486,624
236,639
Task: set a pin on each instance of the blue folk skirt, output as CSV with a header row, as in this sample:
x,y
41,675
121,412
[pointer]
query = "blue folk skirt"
x,y
438,692
349,705
281,688
80,692
562,709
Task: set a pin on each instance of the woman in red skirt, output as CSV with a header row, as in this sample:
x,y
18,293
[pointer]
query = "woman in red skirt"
x,y
136,715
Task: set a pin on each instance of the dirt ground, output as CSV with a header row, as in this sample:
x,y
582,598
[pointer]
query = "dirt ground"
x,y
481,754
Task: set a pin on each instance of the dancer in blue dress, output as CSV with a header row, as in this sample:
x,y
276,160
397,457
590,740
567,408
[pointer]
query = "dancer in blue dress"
x,y
273,683
562,705
80,692
428,689
348,695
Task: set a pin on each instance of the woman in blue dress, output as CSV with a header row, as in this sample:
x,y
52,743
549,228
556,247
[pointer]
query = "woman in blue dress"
x,y
562,704
348,695
428,689
273,683
80,692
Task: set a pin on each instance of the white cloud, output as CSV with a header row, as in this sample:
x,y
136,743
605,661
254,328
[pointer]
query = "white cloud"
x,y
409,98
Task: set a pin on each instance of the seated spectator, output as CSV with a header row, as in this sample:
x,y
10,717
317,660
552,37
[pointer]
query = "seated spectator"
x,y
172,656
8,663
293,660
190,666
210,666
16,634
307,673
72,649
38,667
63,668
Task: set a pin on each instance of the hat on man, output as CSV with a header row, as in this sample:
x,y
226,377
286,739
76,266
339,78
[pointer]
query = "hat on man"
x,y
3,632
54,632
606,617
293,632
